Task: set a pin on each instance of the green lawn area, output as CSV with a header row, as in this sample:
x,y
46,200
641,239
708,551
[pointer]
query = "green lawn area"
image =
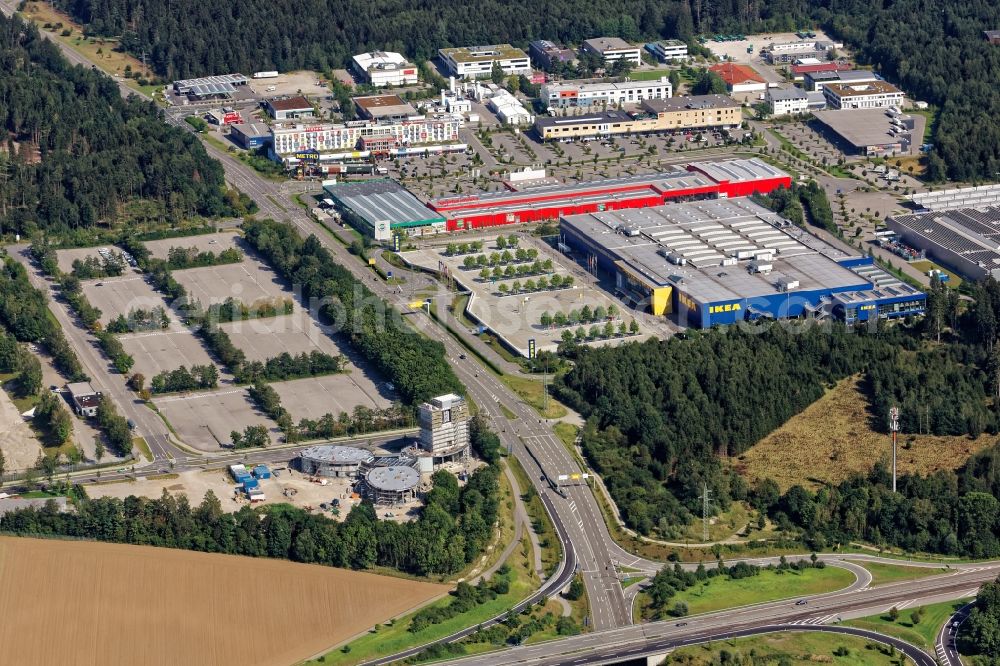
x,y
393,638
922,634
924,265
542,525
506,411
931,116
629,582
787,647
649,74
530,391
566,432
458,310
140,443
891,573
724,526
720,592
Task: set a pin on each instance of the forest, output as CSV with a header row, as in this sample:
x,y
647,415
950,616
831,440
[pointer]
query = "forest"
x,y
934,49
663,414
77,156
453,528
413,363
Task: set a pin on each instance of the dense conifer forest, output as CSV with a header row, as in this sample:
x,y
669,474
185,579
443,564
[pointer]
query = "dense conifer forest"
x,y
662,415
77,156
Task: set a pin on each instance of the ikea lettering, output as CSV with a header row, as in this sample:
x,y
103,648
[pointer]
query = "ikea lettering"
x,y
728,307
687,301
867,307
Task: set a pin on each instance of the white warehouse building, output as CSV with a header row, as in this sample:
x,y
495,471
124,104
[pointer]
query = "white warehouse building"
x,y
509,110
563,95
385,68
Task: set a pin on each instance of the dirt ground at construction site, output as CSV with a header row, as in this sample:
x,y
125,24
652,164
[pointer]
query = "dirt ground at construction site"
x,y
290,486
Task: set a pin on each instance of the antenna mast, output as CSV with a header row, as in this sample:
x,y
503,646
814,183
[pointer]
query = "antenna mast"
x,y
894,429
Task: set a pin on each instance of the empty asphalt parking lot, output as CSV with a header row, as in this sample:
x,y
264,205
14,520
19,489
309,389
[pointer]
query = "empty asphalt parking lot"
x,y
331,394
205,419
119,295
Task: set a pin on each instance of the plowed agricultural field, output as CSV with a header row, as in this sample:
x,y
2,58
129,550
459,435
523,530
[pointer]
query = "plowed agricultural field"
x,y
100,604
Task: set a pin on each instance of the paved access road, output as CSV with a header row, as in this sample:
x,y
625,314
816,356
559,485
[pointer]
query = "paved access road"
x,y
944,646
95,364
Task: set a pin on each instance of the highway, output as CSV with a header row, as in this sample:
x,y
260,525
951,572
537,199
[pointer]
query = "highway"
x,y
616,644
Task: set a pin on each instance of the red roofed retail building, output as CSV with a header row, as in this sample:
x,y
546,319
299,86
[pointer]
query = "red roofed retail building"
x,y
739,78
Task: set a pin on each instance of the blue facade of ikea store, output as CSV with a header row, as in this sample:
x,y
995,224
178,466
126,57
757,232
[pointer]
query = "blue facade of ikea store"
x,y
853,301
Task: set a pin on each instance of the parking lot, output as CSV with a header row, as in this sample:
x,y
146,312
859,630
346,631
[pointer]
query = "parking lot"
x,y
332,394
261,339
119,295
159,351
812,143
65,258
737,50
204,243
516,318
205,419
248,282
291,83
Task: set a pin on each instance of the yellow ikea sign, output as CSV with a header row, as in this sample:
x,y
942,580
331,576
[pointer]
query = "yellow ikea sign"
x,y
867,307
728,307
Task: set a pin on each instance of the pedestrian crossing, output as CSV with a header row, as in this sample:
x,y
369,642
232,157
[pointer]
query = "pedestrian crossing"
x,y
941,654
822,619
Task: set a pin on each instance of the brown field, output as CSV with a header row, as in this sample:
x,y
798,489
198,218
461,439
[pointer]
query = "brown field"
x,y
833,438
143,606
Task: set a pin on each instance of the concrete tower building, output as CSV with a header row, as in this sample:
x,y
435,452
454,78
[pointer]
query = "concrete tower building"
x,y
444,428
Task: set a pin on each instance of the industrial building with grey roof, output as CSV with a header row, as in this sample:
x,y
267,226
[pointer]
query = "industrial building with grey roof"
x,y
722,261
377,207
966,240
868,131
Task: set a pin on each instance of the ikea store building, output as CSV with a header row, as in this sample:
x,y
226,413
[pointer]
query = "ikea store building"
x,y
721,261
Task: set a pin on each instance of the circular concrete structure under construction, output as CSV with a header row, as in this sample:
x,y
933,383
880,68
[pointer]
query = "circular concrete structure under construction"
x,y
392,485
333,461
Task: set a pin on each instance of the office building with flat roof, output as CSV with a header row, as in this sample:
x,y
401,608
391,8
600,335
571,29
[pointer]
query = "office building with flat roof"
x,y
384,68
869,95
384,108
476,62
668,49
547,54
611,49
569,95
787,101
290,108
655,115
817,80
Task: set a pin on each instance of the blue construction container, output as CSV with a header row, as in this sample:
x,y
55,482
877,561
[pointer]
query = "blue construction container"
x,y
250,483
262,472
